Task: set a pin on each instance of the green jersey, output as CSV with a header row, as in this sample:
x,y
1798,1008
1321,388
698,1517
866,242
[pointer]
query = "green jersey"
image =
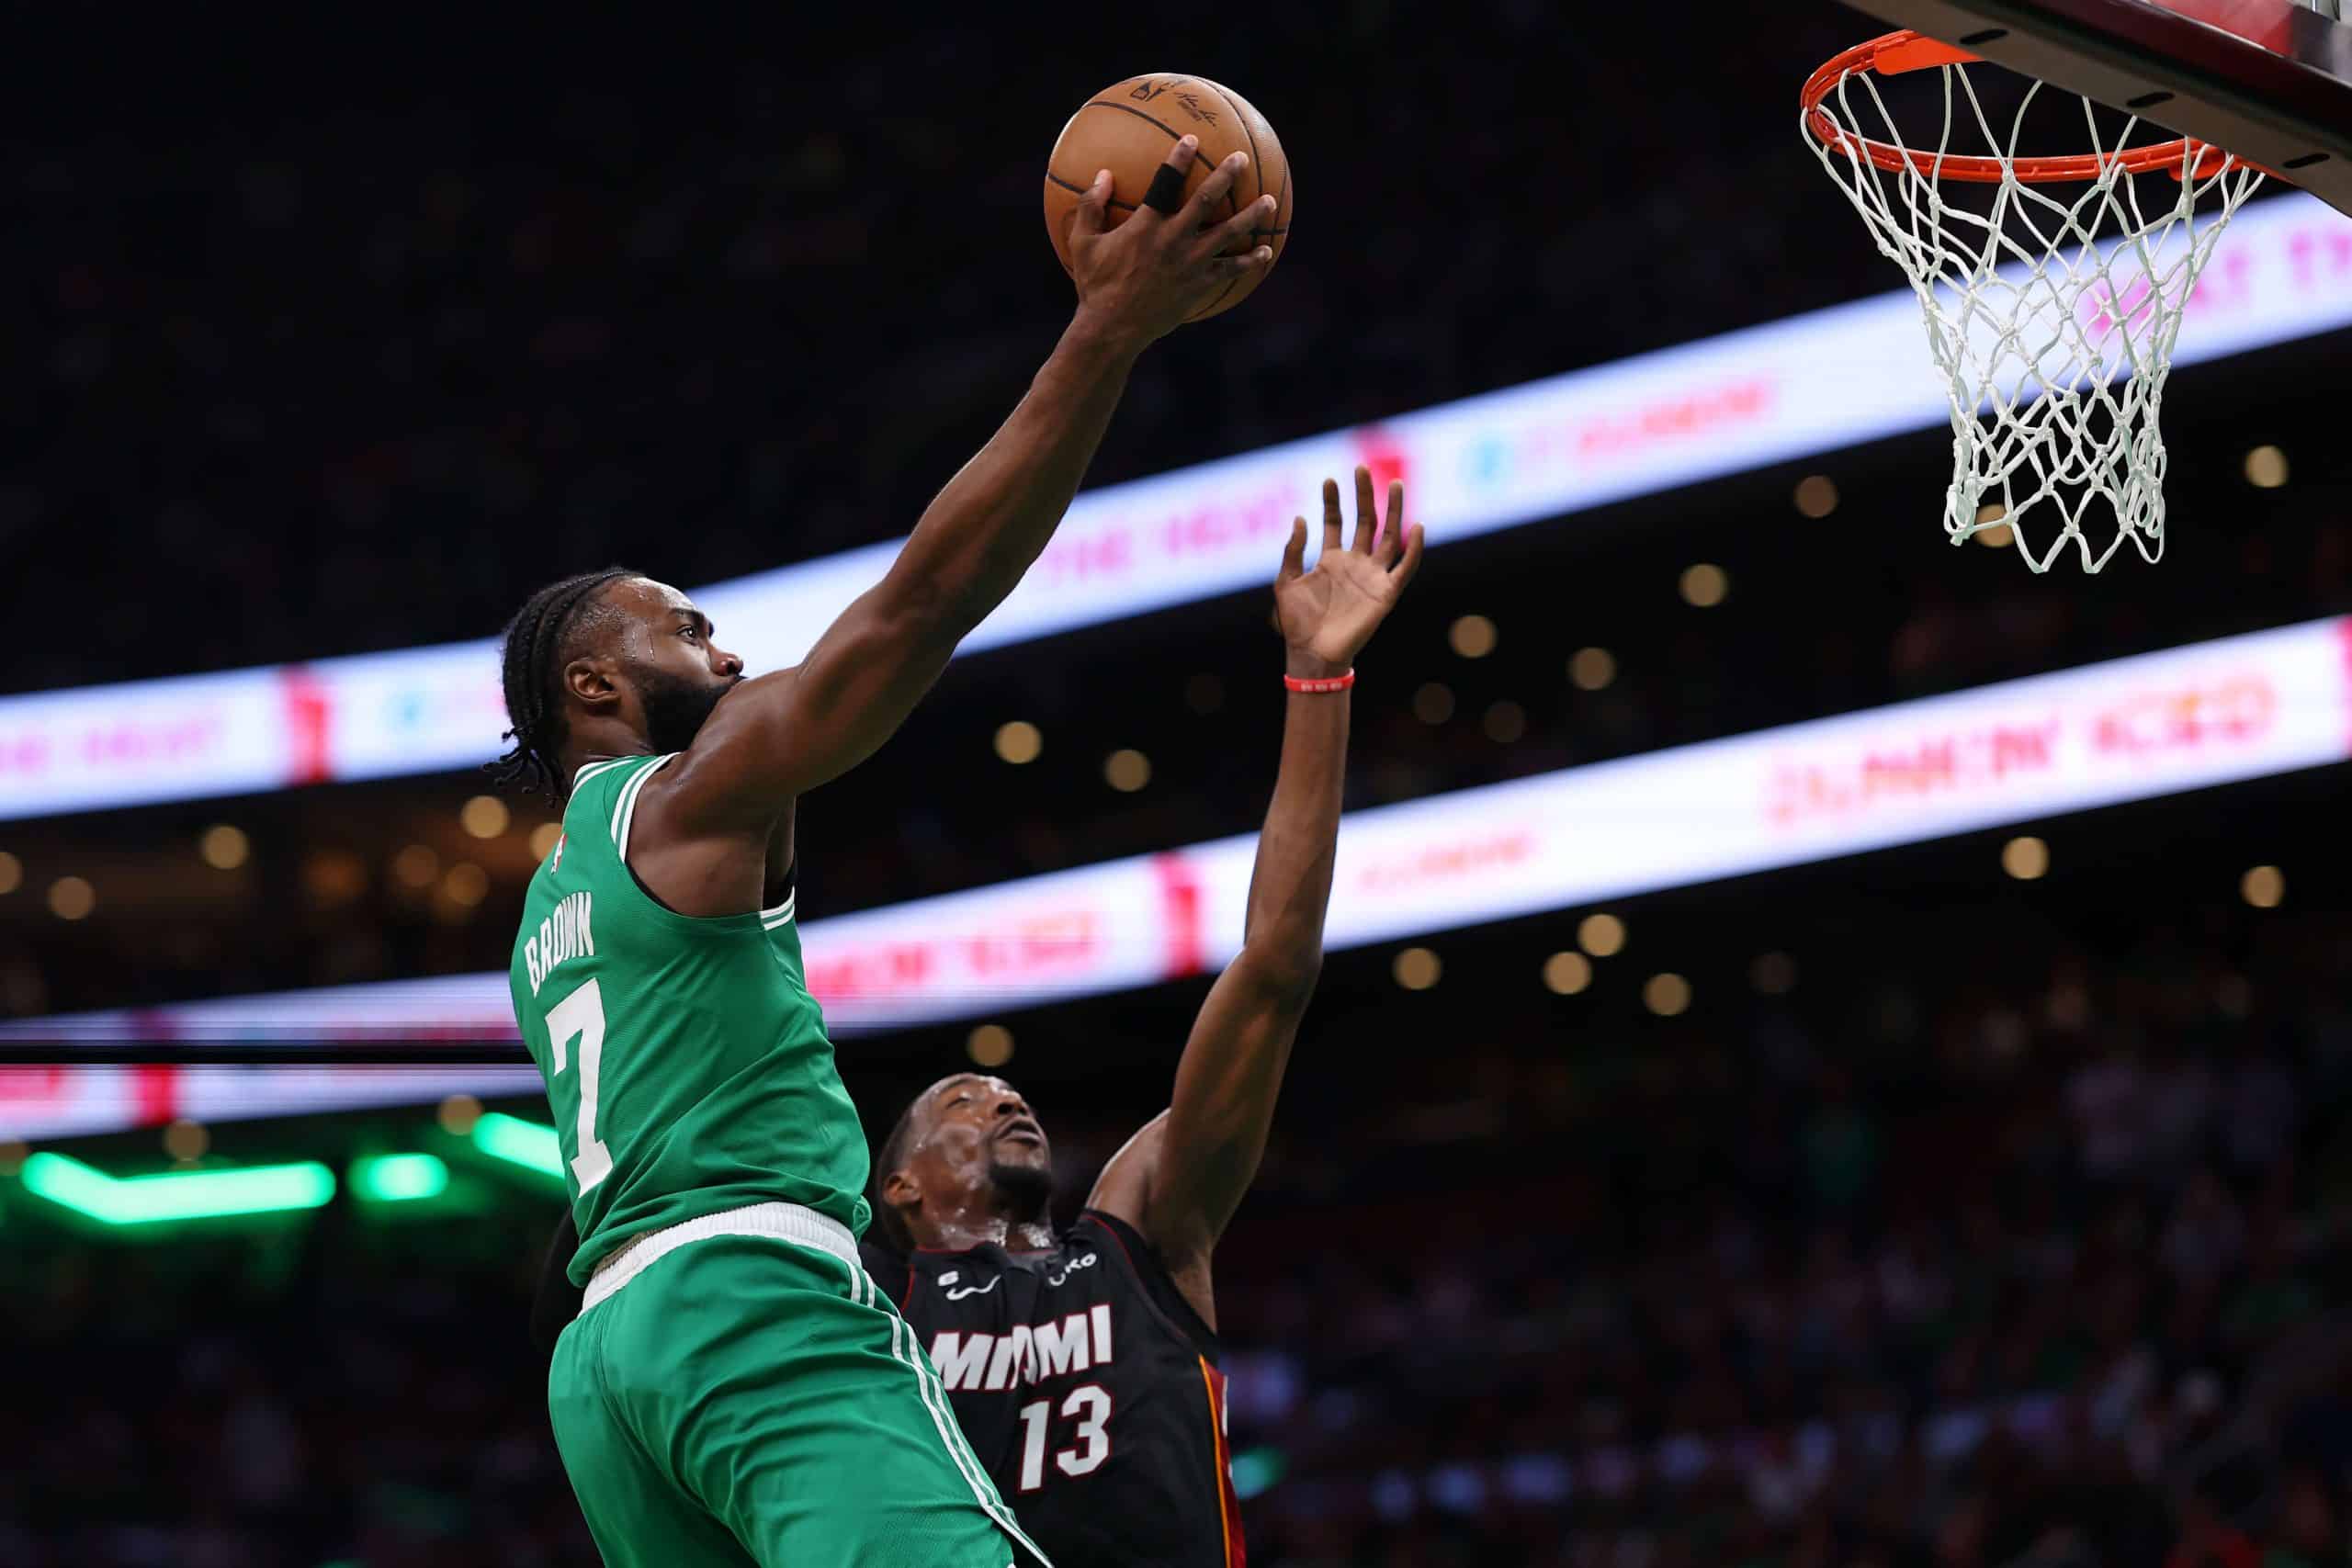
x,y
685,1061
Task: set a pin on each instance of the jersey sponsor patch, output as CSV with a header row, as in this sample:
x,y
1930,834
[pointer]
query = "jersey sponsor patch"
x,y
1060,1276
956,1293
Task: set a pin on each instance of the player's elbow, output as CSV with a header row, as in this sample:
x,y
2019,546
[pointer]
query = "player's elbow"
x,y
1284,975
918,613
940,596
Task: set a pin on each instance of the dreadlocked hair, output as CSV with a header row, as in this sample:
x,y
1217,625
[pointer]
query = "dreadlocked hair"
x,y
888,1221
528,669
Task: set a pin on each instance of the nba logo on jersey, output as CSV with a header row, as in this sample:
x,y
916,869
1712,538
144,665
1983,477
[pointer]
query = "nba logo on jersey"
x,y
555,860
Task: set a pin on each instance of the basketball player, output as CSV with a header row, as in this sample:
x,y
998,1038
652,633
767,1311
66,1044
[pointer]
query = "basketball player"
x,y
1082,1362
735,1390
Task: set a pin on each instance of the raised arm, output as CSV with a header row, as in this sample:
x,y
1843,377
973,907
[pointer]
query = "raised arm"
x,y
778,735
1179,1179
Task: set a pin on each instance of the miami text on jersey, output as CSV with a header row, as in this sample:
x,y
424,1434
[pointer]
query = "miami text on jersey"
x,y
1025,1355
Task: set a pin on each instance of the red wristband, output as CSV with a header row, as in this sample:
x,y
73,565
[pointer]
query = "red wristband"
x,y
1336,683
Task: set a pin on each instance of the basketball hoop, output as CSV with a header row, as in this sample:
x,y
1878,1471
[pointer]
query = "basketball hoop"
x,y
2051,321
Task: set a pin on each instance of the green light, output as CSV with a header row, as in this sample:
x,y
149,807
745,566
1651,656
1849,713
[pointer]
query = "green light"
x,y
177,1195
399,1178
531,1145
1255,1470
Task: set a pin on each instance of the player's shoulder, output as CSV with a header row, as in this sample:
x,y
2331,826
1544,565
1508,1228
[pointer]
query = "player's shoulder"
x,y
604,795
1106,1234
1130,1257
606,768
889,1268
588,862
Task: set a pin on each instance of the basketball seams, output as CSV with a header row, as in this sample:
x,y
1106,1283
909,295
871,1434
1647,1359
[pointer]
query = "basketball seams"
x,y
1173,135
1241,115
1081,190
1232,202
1257,167
1210,309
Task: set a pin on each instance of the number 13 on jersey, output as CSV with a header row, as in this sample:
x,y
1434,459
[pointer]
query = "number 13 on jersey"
x,y
1089,1404
580,1016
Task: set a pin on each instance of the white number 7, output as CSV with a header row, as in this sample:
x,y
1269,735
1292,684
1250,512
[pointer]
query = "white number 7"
x,y
582,1014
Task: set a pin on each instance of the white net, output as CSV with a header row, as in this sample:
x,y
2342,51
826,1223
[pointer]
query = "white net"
x,y
2052,309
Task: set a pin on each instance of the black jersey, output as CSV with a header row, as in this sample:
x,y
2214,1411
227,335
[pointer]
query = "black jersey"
x,y
1089,1388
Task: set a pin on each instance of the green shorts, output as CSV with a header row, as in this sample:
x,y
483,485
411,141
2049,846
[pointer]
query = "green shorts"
x,y
754,1399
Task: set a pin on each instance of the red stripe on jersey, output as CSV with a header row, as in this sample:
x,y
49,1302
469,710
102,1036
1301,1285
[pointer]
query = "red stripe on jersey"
x,y
1237,1552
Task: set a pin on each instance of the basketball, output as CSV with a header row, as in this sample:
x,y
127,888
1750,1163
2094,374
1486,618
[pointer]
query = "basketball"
x,y
1129,127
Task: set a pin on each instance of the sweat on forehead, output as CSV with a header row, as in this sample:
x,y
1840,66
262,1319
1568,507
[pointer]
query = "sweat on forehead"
x,y
967,1080
643,597
923,1106
629,600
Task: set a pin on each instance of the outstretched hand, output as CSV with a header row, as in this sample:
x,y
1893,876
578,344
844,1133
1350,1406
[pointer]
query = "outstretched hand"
x,y
1328,614
1141,279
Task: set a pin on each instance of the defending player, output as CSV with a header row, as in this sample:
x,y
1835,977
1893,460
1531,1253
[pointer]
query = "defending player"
x,y
1082,1362
734,1389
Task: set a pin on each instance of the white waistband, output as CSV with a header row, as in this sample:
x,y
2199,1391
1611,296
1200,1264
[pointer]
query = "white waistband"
x,y
787,1222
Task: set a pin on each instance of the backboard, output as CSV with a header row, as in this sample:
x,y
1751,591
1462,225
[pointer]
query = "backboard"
x,y
2269,79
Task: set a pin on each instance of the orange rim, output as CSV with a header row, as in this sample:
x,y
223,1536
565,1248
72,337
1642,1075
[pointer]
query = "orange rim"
x,y
1897,52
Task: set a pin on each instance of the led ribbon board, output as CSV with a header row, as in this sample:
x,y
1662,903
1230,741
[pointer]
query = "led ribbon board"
x,y
2131,728
1809,384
